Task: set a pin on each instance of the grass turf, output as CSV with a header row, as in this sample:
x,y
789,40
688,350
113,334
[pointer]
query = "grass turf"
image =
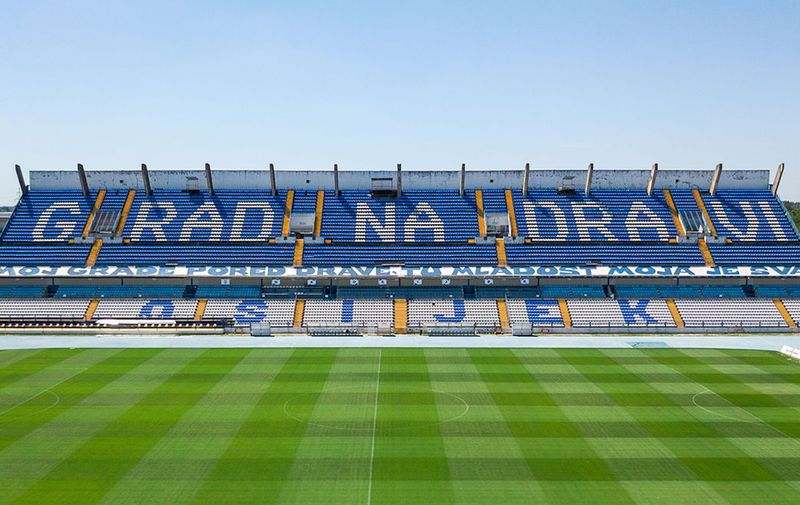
x,y
398,426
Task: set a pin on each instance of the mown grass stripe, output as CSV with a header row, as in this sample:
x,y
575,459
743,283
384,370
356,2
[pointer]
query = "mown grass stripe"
x,y
354,374
261,454
25,405
458,448
108,391
410,457
32,364
736,465
88,479
550,463
214,420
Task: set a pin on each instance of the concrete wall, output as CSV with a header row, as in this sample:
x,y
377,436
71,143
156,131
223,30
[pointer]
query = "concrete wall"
x,y
417,179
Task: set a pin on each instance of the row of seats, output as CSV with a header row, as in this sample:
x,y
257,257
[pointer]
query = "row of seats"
x,y
422,313
778,290
229,291
124,291
400,293
180,216
709,313
619,313
563,254
546,291
412,255
583,313
678,291
749,216
278,313
602,216
134,308
417,216
349,312
206,255
409,255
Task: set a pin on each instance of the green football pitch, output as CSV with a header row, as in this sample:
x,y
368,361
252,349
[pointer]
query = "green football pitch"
x,y
369,426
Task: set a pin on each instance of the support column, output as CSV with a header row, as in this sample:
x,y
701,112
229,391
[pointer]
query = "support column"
x,y
21,178
148,189
82,177
775,183
712,190
526,179
209,180
652,182
589,172
399,180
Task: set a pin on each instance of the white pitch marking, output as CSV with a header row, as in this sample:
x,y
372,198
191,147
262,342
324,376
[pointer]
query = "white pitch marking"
x,y
46,390
374,427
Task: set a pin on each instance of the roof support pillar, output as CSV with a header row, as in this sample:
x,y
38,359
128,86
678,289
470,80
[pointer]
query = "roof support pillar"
x,y
712,190
463,179
82,177
399,180
209,179
775,183
148,189
526,179
21,179
273,187
589,172
651,184
336,179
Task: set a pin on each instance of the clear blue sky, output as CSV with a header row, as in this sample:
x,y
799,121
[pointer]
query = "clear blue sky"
x,y
429,84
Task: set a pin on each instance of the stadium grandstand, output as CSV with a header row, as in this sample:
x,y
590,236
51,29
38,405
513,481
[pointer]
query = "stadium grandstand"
x,y
392,252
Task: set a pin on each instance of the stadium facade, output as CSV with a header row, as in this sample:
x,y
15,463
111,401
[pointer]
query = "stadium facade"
x,y
385,252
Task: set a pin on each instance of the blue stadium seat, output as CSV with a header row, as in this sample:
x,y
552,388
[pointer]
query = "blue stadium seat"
x,y
126,291
439,215
409,293
199,255
778,290
614,254
603,216
43,255
49,216
749,216
22,291
410,255
230,291
180,216
572,291
678,291
752,254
